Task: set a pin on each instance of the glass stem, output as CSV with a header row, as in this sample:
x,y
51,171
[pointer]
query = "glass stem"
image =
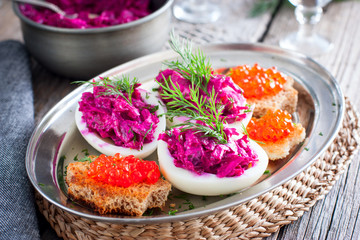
x,y
197,4
307,17
306,31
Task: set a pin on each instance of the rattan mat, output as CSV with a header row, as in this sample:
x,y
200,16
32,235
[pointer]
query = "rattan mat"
x,y
254,219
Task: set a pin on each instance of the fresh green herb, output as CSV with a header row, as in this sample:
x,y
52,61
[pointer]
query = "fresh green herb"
x,y
123,86
334,104
152,109
248,108
172,212
267,172
231,103
134,139
186,201
196,108
41,184
231,194
148,212
85,159
191,206
321,134
85,151
147,132
65,171
306,149
193,65
60,173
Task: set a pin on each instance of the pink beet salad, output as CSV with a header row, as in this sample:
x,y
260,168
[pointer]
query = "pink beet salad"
x,y
199,154
90,13
129,124
228,93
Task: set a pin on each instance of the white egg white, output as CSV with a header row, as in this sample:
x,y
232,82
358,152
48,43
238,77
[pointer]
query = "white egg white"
x,y
107,146
209,184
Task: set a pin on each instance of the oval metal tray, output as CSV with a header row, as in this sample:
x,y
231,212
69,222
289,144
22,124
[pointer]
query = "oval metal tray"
x,y
56,140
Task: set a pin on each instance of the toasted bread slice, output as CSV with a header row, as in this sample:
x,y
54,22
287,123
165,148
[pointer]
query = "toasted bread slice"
x,y
105,198
281,148
286,100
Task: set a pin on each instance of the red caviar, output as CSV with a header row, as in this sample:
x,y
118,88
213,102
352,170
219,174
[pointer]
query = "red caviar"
x,y
123,171
272,127
258,82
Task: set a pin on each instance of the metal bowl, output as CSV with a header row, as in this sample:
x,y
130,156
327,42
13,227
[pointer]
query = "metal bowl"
x,y
85,53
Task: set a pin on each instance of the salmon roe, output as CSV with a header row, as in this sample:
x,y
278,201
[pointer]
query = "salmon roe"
x,y
256,81
123,171
272,127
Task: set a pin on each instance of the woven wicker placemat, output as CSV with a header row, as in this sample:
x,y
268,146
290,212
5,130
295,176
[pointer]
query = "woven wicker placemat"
x,y
254,219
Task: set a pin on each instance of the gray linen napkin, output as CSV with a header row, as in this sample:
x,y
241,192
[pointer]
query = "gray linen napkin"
x,y
17,209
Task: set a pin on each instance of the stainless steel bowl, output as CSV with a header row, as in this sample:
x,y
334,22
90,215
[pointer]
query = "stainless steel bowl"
x,y
85,53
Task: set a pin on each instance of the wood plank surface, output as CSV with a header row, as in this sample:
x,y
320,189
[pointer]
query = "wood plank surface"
x,y
9,24
334,217
233,26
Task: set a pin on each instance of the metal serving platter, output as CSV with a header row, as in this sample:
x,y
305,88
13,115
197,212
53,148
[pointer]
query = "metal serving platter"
x,y
56,140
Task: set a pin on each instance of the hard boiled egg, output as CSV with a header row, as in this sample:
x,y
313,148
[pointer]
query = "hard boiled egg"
x,y
209,184
238,125
107,146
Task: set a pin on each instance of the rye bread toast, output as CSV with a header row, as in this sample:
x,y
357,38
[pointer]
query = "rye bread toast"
x,y
282,148
286,100
106,198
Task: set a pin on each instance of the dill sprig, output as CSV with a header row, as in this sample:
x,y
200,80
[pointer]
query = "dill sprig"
x,y
196,108
117,86
193,66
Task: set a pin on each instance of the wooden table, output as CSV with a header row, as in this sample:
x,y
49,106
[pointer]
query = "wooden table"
x,y
334,217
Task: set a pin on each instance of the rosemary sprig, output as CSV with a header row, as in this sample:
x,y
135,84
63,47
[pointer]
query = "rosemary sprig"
x,y
193,66
116,86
